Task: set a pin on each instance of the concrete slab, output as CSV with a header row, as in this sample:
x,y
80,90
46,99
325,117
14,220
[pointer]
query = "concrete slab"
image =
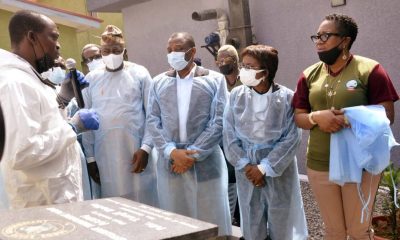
x,y
111,218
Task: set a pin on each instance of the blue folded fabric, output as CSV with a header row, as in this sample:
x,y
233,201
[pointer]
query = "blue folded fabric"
x,y
366,145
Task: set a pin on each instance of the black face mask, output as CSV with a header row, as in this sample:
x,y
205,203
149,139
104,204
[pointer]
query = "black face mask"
x,y
329,57
226,69
44,63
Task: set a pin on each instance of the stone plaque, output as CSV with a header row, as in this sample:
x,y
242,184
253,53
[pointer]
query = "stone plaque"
x,y
110,218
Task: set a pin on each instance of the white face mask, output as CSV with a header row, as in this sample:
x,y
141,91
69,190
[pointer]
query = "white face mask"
x,y
177,60
95,64
113,61
56,75
248,77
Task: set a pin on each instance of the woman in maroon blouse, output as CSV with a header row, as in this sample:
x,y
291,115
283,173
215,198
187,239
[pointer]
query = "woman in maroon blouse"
x,y
339,80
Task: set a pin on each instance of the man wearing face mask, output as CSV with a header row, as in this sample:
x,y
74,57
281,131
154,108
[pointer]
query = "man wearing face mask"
x,y
91,57
185,120
41,163
121,147
228,64
57,73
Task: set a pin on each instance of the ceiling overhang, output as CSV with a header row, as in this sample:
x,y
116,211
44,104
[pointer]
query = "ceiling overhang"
x,y
59,16
110,5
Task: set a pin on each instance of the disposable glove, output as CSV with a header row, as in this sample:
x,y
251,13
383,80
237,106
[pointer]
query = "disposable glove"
x,y
66,91
84,120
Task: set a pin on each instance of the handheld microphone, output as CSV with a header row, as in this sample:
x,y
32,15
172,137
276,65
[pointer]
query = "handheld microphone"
x,y
71,66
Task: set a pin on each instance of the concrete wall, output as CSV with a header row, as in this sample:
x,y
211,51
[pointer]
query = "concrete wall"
x,y
286,25
148,26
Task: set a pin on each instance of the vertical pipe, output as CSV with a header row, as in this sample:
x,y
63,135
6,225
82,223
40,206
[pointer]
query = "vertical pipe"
x,y
240,22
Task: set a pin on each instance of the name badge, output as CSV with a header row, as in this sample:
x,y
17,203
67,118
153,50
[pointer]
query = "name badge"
x,y
351,85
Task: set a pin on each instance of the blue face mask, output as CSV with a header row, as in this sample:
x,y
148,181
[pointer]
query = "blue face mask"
x,y
177,60
56,75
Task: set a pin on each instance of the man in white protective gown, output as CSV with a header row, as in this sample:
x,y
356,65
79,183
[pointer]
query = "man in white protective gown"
x,y
41,163
118,92
185,120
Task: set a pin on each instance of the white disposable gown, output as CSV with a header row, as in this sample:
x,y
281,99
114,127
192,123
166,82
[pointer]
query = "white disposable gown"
x,y
201,192
259,129
119,98
3,196
41,163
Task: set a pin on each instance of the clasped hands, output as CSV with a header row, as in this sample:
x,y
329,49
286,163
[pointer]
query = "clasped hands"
x,y
182,160
331,121
254,175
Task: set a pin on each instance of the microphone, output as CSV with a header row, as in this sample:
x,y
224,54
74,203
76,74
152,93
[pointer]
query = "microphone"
x,y
76,86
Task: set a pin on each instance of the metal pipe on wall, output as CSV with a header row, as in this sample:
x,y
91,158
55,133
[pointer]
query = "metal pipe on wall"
x,y
240,33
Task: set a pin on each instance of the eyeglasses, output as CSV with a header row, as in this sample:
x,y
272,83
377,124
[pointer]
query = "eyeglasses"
x,y
324,37
247,67
90,59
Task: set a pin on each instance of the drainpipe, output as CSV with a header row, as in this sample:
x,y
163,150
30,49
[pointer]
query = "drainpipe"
x,y
222,21
240,34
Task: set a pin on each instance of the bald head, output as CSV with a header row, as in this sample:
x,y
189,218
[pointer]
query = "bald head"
x,y
24,21
185,38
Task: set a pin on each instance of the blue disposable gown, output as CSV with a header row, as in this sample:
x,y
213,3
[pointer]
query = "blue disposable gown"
x,y
259,129
119,98
366,145
201,192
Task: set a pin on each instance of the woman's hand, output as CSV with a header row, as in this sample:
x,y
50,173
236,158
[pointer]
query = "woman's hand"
x,y
330,121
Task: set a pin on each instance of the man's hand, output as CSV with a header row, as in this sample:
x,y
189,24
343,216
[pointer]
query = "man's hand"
x,y
182,161
84,120
254,175
139,161
66,90
94,172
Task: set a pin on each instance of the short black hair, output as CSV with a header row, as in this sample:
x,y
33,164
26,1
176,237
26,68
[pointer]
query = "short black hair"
x,y
187,37
345,25
267,56
22,22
